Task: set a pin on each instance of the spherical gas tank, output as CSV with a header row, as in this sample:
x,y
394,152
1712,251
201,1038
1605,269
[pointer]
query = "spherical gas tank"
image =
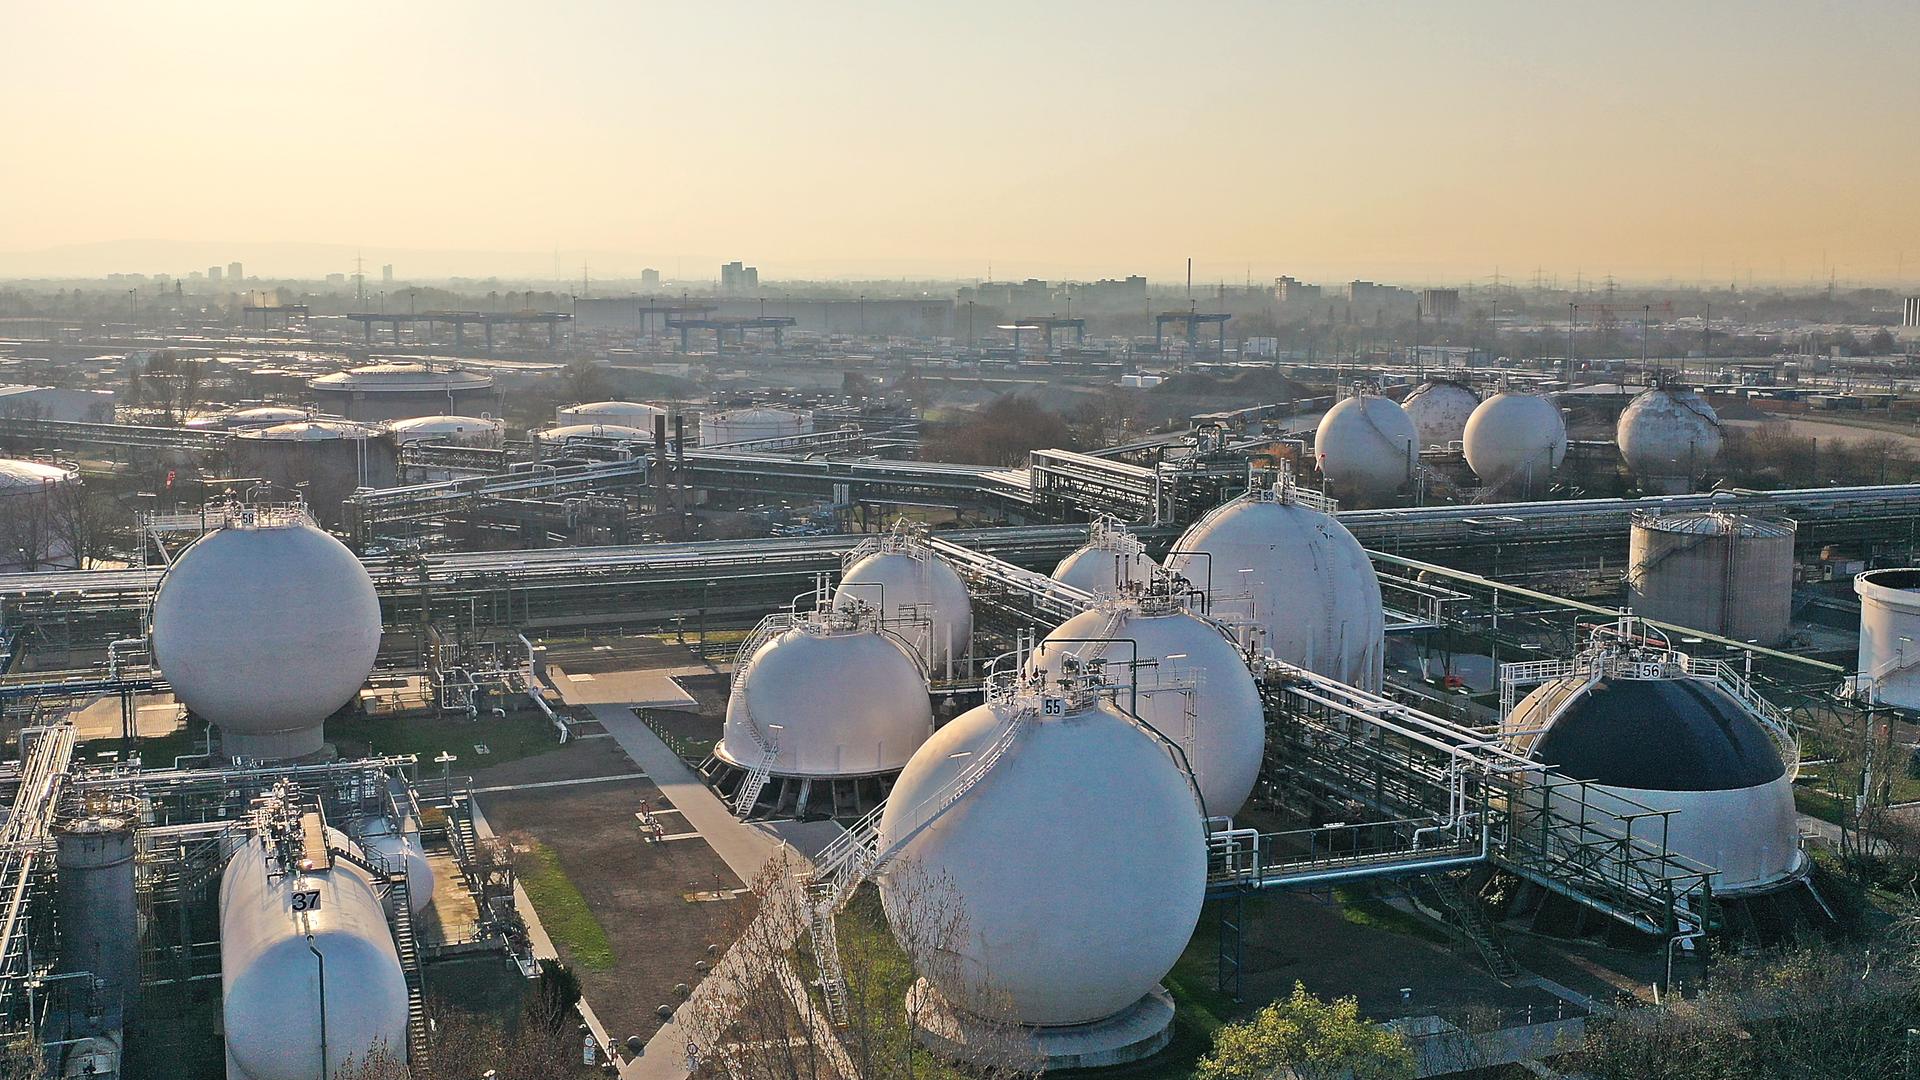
x,y
921,596
1298,577
1669,437
832,699
1101,571
1367,446
1078,857
1440,410
1193,687
1514,441
265,630
271,980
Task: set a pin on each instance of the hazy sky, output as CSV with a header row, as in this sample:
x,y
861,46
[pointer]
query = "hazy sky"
x,y
1415,141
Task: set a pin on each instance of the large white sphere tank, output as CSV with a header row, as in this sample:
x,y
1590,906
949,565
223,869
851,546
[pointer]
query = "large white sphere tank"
x,y
265,629
1192,685
402,850
1669,437
833,697
1440,409
270,978
1078,857
1295,575
1367,446
1111,559
920,596
1514,441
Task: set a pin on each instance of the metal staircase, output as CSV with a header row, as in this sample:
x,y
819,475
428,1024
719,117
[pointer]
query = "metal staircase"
x,y
756,782
826,950
1469,919
405,943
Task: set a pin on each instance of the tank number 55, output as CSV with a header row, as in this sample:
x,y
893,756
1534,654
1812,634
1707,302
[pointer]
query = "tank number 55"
x,y
306,901
1053,706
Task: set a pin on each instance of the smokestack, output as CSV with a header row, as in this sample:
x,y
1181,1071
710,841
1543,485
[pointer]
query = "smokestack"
x,y
661,496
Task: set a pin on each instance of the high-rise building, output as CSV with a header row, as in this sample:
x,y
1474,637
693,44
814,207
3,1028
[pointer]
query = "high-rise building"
x,y
233,272
213,273
737,275
1910,312
1290,290
1442,305
649,278
386,274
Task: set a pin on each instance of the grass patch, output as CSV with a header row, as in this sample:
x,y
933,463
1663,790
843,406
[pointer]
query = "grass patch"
x,y
1819,804
506,738
563,911
1361,908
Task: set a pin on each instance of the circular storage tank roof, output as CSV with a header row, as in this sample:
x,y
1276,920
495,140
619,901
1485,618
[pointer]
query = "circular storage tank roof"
x,y
312,431
398,378
1655,735
563,432
423,428
1711,523
18,476
630,413
1366,445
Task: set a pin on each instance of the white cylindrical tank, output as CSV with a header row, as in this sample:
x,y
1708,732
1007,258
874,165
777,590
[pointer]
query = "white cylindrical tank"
x,y
753,425
919,597
832,696
265,629
632,414
1680,744
1367,446
1514,441
563,432
1193,687
271,980
401,848
34,531
1726,574
1669,437
1112,558
458,430
1296,576
1890,636
1440,409
1078,854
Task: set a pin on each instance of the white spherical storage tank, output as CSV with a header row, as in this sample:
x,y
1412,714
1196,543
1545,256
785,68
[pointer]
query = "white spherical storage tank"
x,y
1112,558
1669,437
633,414
918,596
831,696
1077,896
1191,684
1673,743
271,980
1367,446
1514,441
1889,657
1296,576
264,629
1440,409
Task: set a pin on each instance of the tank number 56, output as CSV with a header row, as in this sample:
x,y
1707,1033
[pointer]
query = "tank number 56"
x,y
306,901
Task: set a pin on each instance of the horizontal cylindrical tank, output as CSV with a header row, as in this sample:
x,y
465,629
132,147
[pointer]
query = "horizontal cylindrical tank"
x,y
1889,655
832,696
99,912
754,425
1726,574
400,847
265,629
306,961
1669,437
1440,409
633,414
457,430
1366,445
1514,441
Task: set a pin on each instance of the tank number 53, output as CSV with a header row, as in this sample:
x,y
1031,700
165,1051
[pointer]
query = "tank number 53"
x,y
306,901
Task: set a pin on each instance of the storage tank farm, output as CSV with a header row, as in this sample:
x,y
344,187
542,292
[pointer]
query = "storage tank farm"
x,y
1726,574
1079,896
898,574
1669,437
264,627
1111,559
1183,675
1514,441
1366,445
1667,731
1289,579
1440,409
828,706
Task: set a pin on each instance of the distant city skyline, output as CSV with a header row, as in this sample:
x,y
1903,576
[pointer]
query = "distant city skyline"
x,y
1698,143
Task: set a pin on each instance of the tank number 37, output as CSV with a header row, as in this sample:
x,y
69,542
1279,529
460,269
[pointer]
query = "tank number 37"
x,y
308,900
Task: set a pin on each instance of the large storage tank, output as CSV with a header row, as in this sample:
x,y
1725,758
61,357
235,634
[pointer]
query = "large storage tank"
x,y
918,596
99,911
1669,437
830,697
1191,685
277,1014
1514,441
243,419
326,459
1275,565
1366,445
399,845
558,434
483,431
633,414
265,627
1440,409
1079,855
1726,574
393,390
1111,558
1890,636
754,425
1636,723
36,532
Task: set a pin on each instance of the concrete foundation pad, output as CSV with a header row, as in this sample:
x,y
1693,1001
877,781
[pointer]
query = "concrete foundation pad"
x,y
1135,1033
